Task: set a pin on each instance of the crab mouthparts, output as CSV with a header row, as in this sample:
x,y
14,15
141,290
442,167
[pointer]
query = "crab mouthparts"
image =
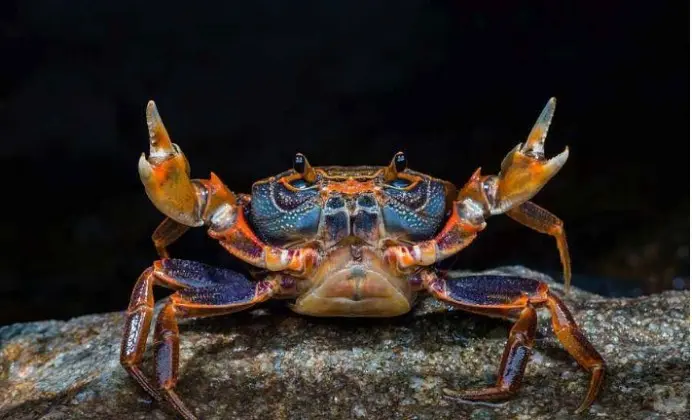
x,y
354,281
357,252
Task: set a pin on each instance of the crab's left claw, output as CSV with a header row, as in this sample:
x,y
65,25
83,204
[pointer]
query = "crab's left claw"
x,y
166,175
525,170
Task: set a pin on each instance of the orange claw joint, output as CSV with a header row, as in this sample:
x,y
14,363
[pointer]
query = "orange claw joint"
x,y
166,175
524,171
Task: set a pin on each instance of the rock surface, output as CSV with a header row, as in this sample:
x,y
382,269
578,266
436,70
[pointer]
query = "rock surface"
x,y
273,364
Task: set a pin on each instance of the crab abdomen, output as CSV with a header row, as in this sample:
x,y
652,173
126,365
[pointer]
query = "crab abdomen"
x,y
353,282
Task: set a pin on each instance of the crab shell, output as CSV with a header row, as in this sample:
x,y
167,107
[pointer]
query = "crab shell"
x,y
350,214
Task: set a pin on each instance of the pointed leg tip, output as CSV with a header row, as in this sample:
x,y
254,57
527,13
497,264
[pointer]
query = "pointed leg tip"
x,y
450,392
595,386
466,395
456,395
582,408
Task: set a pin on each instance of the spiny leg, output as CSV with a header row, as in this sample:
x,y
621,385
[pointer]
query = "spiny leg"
x,y
166,233
539,219
201,289
507,296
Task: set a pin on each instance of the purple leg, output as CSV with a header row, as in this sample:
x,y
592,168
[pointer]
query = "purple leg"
x,y
202,291
517,298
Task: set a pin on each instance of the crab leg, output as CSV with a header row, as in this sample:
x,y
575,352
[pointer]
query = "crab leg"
x,y
197,202
524,171
543,221
512,298
137,323
513,362
166,233
189,303
202,291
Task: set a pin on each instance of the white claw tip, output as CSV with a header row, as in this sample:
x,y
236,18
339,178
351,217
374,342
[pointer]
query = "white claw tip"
x,y
144,167
547,113
560,159
159,142
152,114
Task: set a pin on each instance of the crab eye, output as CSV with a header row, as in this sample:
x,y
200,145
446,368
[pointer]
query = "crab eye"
x,y
400,162
400,183
299,183
299,163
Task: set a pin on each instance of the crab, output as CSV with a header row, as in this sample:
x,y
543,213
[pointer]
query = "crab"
x,y
339,241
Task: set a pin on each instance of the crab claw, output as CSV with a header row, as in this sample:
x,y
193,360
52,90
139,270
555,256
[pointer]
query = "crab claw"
x,y
525,170
166,174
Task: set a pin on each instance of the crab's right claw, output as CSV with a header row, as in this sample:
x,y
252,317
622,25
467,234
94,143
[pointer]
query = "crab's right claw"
x,y
166,175
525,170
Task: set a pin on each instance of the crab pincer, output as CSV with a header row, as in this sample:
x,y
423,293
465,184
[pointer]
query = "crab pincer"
x,y
166,174
525,170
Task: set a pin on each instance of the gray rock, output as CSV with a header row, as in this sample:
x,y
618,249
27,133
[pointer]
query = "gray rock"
x,y
272,364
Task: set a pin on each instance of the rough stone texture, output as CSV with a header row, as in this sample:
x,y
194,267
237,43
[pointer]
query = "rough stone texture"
x,y
273,364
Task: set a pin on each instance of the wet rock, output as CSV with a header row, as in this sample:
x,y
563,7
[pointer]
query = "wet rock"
x,y
271,363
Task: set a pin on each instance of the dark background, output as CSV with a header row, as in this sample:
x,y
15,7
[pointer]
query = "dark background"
x,y
242,86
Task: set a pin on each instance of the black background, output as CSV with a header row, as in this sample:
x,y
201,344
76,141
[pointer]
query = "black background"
x,y
242,86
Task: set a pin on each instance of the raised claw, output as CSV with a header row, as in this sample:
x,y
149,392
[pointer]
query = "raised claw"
x,y
524,171
166,174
